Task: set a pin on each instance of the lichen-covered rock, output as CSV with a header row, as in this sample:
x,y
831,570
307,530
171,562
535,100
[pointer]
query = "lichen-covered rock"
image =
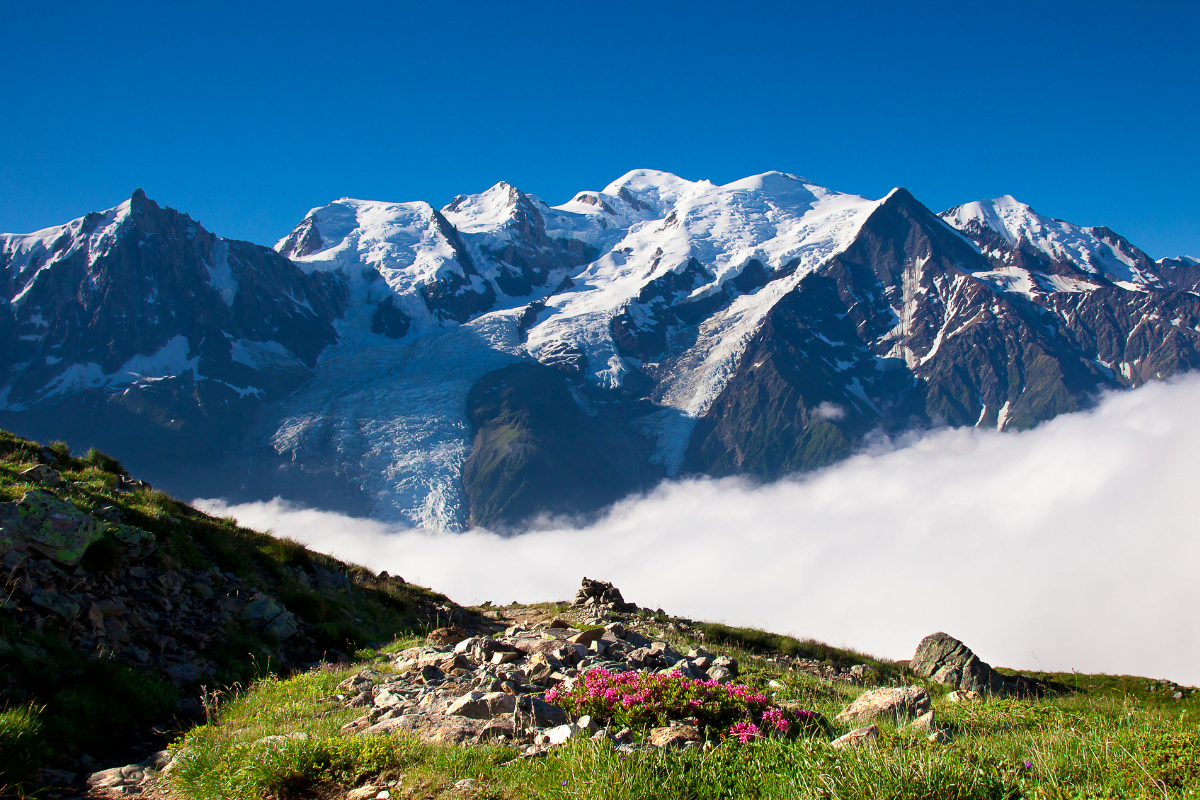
x,y
41,523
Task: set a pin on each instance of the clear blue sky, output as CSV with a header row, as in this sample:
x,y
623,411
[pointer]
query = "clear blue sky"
x,y
247,114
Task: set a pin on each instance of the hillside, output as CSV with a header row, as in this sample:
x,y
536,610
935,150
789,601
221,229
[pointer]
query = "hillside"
x,y
148,649
121,606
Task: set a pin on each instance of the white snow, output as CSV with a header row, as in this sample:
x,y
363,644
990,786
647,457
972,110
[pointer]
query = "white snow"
x,y
401,402
169,360
220,276
258,355
1088,249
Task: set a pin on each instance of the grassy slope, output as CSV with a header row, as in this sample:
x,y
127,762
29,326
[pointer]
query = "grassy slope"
x,y
1109,739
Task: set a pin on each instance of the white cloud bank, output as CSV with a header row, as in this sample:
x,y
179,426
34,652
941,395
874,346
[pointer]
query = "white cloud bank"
x,y
1071,546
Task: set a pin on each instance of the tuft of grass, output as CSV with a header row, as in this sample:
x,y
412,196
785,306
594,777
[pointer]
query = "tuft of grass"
x,y
288,552
103,462
60,449
22,745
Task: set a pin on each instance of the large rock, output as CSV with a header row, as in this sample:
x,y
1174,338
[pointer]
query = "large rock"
x,y
674,736
41,523
903,702
540,713
480,705
944,659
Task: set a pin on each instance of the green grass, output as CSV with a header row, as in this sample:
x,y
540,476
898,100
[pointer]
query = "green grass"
x,y
22,745
1097,743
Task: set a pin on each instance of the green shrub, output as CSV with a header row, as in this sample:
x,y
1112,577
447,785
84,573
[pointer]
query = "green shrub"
x,y
105,700
61,449
309,606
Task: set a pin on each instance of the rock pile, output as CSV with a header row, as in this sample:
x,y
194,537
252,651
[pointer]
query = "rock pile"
x,y
944,659
481,688
601,595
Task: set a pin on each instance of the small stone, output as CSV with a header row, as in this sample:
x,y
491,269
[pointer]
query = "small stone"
x,y
675,736
587,637
858,738
923,723
171,581
939,737
450,635
362,792
720,674
560,735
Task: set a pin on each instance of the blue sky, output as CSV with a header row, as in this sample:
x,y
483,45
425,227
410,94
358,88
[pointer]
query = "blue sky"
x,y
247,114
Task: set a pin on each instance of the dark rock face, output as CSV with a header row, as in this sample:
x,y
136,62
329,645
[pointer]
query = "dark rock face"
x,y
304,240
389,320
453,295
944,659
150,321
536,451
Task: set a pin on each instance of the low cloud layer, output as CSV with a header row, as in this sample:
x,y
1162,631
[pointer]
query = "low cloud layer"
x,y
1071,546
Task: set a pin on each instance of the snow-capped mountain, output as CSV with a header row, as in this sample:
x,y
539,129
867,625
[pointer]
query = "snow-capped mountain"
x,y
501,358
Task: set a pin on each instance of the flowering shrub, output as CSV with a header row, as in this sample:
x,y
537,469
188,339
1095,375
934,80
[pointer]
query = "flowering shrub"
x,y
643,699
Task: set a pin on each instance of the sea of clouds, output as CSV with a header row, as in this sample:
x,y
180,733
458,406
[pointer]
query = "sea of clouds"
x,y
1072,546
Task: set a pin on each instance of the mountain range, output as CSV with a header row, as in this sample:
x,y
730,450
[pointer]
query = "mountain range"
x,y
501,359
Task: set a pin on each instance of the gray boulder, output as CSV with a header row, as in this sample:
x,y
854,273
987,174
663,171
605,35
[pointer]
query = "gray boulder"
x,y
944,659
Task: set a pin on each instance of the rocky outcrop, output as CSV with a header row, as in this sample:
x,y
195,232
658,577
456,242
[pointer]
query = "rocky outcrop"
x,y
41,524
602,595
482,688
943,659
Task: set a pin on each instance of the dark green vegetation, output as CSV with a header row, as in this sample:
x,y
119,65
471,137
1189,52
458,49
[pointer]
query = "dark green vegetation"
x,y
536,452
64,692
